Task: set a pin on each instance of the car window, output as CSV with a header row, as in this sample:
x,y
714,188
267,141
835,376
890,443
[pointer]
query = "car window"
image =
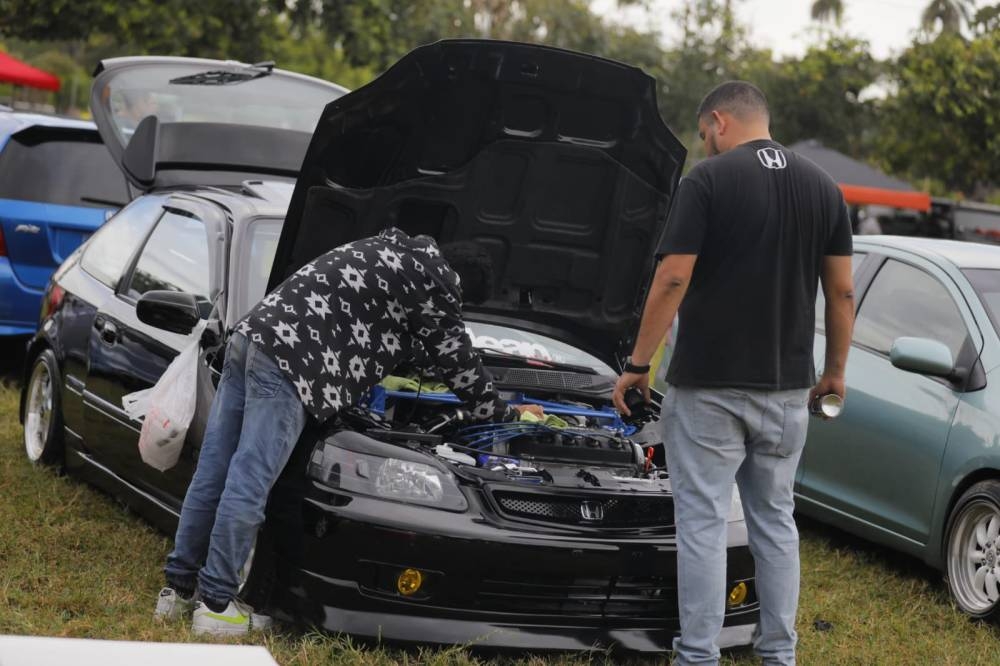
x,y
857,259
255,264
107,253
68,168
175,258
906,301
986,282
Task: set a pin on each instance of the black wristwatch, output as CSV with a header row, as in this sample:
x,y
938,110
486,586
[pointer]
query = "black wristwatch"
x,y
636,369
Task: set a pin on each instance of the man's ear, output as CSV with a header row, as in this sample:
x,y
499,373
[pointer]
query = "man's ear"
x,y
720,121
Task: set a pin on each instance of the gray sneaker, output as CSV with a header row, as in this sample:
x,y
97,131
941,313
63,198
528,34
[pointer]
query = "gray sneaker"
x,y
236,619
172,606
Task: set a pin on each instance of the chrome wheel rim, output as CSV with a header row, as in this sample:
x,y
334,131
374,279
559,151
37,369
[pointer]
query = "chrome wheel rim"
x,y
974,557
38,412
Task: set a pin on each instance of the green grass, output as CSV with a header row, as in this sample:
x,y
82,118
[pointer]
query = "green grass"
x,y
74,563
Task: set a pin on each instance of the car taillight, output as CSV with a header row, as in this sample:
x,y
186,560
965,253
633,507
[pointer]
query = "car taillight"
x,y
3,244
53,299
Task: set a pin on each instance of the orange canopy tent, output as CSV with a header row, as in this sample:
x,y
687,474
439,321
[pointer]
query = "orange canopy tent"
x,y
862,184
19,73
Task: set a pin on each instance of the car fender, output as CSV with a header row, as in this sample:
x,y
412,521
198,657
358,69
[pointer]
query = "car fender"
x,y
972,454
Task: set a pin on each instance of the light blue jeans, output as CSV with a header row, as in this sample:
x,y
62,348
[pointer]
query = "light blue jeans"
x,y
254,424
713,439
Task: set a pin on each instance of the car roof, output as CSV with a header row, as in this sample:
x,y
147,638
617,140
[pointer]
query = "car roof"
x,y
15,121
962,254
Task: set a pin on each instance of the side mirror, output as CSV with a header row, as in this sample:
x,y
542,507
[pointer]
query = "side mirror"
x,y
923,356
174,311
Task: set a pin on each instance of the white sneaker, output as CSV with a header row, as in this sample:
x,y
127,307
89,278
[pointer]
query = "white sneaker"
x,y
238,618
172,606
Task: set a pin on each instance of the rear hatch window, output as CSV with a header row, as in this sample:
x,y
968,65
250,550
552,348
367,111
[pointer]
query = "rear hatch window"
x,y
60,166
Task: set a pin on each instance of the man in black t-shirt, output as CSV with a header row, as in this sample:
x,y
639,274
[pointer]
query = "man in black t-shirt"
x,y
751,233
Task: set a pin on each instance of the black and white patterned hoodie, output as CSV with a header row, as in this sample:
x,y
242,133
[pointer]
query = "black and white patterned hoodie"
x,y
345,320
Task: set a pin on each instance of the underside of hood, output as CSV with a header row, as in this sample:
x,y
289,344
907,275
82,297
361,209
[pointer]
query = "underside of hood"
x,y
557,163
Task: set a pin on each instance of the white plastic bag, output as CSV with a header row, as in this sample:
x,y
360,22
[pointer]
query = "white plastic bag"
x,y
169,408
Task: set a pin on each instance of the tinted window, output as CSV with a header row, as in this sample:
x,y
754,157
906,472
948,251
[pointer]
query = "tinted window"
x,y
906,301
175,258
71,168
857,259
986,282
108,251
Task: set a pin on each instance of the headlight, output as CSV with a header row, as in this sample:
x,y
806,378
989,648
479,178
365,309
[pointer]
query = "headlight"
x,y
389,478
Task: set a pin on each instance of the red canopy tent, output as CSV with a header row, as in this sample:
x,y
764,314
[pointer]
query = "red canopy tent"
x,y
19,73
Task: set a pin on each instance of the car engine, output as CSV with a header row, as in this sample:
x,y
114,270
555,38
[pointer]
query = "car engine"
x,y
582,436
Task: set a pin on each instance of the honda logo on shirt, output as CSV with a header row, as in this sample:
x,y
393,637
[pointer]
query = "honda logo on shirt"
x,y
592,511
772,158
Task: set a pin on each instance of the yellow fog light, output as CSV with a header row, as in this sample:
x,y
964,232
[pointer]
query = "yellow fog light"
x,y
738,594
409,582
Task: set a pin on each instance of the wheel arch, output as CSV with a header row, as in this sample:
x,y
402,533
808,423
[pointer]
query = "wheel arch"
x,y
969,480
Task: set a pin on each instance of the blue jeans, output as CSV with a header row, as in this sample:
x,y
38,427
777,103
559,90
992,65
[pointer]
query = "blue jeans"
x,y
254,424
713,439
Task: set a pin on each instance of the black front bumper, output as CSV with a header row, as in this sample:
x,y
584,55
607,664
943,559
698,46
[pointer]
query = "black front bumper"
x,y
486,584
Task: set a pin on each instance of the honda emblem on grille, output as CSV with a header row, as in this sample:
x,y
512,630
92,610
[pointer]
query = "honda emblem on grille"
x,y
591,510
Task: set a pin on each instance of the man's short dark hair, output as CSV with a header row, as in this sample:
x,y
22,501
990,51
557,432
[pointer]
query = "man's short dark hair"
x,y
474,266
740,98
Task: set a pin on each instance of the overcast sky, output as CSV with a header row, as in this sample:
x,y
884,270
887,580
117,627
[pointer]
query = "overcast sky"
x,y
782,25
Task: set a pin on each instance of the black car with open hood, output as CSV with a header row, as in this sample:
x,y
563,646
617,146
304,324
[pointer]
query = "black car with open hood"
x,y
401,518
556,162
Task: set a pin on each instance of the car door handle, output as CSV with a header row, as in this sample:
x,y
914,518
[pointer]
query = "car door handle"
x,y
108,331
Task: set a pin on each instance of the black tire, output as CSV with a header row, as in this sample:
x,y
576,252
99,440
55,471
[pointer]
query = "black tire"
x,y
972,551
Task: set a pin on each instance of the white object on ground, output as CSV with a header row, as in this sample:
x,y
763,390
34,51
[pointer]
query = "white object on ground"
x,y
42,651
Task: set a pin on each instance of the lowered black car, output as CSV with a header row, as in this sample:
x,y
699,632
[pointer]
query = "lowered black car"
x,y
403,519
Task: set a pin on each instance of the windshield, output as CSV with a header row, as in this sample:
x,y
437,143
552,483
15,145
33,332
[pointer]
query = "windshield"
x,y
255,266
213,92
530,345
986,282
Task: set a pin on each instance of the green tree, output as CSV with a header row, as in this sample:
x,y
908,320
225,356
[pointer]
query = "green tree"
x,y
949,14
827,11
818,96
942,122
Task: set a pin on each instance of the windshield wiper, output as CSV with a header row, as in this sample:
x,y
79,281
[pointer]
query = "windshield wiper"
x,y
221,77
537,362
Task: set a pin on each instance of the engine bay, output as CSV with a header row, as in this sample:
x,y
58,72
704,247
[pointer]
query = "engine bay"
x,y
582,442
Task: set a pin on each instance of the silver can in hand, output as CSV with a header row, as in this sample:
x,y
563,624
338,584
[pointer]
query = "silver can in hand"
x,y
829,406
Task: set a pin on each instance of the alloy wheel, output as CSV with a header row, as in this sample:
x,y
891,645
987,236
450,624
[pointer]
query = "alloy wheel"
x,y
38,412
974,556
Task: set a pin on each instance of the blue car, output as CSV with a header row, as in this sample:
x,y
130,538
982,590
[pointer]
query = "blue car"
x,y
57,185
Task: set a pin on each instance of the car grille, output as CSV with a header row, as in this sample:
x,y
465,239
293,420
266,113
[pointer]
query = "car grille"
x,y
587,510
618,596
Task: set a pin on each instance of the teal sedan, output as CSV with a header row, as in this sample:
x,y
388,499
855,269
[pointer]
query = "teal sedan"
x,y
913,462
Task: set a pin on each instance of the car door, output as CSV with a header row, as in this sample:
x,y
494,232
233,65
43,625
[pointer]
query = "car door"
x,y
129,355
877,464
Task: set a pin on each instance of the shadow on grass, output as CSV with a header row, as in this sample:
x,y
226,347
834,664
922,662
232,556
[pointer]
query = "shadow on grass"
x,y
903,565
12,359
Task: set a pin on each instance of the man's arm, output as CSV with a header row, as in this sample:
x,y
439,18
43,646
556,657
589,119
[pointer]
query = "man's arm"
x,y
670,283
439,327
838,287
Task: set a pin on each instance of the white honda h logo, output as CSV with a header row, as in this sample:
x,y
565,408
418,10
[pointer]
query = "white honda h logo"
x,y
772,158
591,511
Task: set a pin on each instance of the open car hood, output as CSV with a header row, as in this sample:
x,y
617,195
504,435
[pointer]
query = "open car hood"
x,y
192,121
558,163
